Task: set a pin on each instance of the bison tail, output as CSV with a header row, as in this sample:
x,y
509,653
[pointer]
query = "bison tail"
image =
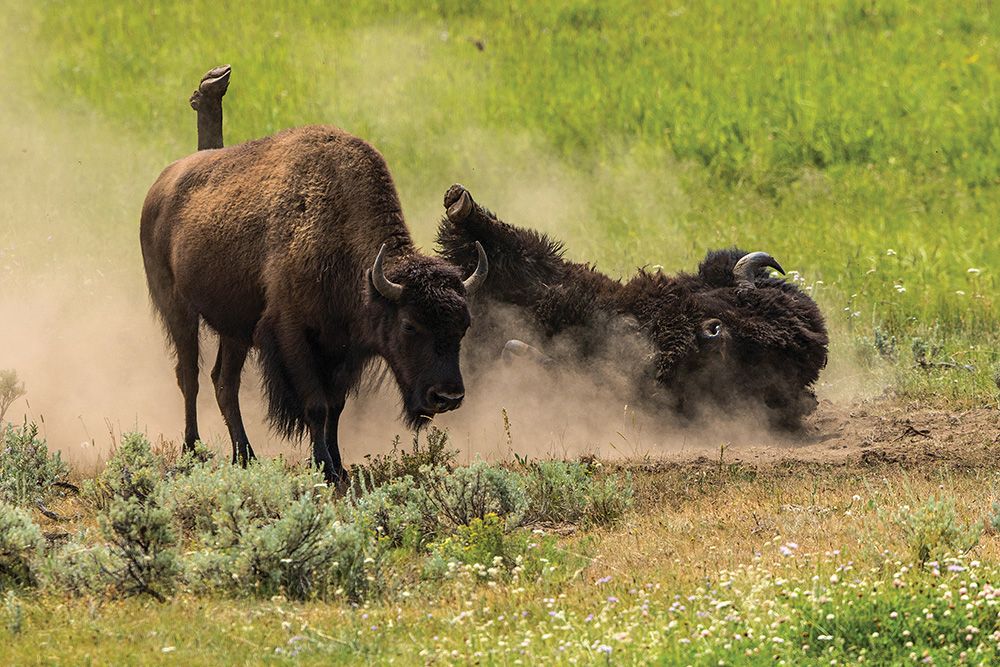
x,y
285,411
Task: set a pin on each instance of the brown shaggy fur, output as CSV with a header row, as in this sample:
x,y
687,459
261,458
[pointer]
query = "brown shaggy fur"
x,y
271,243
701,337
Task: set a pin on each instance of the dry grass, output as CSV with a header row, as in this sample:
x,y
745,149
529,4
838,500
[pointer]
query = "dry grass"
x,y
692,521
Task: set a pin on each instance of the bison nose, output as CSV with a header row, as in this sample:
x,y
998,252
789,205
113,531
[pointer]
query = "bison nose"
x,y
443,400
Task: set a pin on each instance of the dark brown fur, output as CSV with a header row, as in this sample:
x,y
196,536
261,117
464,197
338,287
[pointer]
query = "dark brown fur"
x,y
706,339
271,243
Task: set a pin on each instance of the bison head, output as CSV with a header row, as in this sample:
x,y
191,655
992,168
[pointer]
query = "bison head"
x,y
423,318
733,336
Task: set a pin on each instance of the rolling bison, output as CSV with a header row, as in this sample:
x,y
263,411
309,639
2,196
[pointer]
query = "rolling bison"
x,y
730,336
295,244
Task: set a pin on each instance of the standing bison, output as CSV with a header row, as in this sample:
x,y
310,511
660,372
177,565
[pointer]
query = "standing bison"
x,y
730,336
275,245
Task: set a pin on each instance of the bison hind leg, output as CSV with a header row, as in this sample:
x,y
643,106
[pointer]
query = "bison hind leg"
x,y
181,324
226,378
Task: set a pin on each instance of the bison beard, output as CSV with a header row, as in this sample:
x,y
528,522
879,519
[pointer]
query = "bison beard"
x,y
729,336
274,244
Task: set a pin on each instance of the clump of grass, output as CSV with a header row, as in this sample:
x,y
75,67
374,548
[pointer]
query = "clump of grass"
x,y
933,529
574,492
399,463
13,612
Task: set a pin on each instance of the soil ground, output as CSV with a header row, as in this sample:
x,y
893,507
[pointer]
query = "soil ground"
x,y
874,433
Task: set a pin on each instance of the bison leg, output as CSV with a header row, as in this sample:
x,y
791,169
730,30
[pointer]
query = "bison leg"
x,y
226,377
334,408
317,418
293,376
182,326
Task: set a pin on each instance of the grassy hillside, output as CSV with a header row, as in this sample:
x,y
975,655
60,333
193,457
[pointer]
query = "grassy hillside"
x,y
858,142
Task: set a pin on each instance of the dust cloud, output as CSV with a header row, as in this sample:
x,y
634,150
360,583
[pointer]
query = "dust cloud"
x,y
76,324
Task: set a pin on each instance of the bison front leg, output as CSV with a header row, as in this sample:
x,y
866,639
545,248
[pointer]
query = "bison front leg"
x,y
226,377
292,373
334,408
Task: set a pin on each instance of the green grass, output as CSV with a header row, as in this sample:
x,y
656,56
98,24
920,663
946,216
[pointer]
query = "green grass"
x,y
812,608
804,564
856,141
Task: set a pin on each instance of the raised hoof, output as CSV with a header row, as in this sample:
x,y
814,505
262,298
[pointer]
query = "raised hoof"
x,y
337,481
216,81
458,203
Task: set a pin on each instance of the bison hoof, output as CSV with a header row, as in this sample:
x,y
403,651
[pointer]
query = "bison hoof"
x,y
216,81
453,194
458,203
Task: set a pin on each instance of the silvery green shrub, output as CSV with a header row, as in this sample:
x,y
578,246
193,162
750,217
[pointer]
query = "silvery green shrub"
x,y
81,566
133,471
27,470
20,539
307,552
216,503
10,390
141,541
390,512
267,529
450,499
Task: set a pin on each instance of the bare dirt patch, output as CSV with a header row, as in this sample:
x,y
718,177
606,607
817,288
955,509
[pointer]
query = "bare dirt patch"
x,y
869,434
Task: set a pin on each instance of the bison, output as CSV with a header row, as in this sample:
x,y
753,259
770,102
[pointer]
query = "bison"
x,y
295,245
731,335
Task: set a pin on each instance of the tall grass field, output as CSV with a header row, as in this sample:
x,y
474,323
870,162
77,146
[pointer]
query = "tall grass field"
x,y
857,141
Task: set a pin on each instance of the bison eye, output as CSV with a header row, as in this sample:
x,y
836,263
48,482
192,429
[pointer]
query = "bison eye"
x,y
408,327
711,328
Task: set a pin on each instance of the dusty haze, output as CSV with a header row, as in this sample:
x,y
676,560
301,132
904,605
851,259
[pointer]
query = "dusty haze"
x,y
77,327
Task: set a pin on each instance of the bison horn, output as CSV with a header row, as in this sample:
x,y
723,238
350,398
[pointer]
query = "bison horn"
x,y
387,288
515,348
746,269
461,209
473,282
